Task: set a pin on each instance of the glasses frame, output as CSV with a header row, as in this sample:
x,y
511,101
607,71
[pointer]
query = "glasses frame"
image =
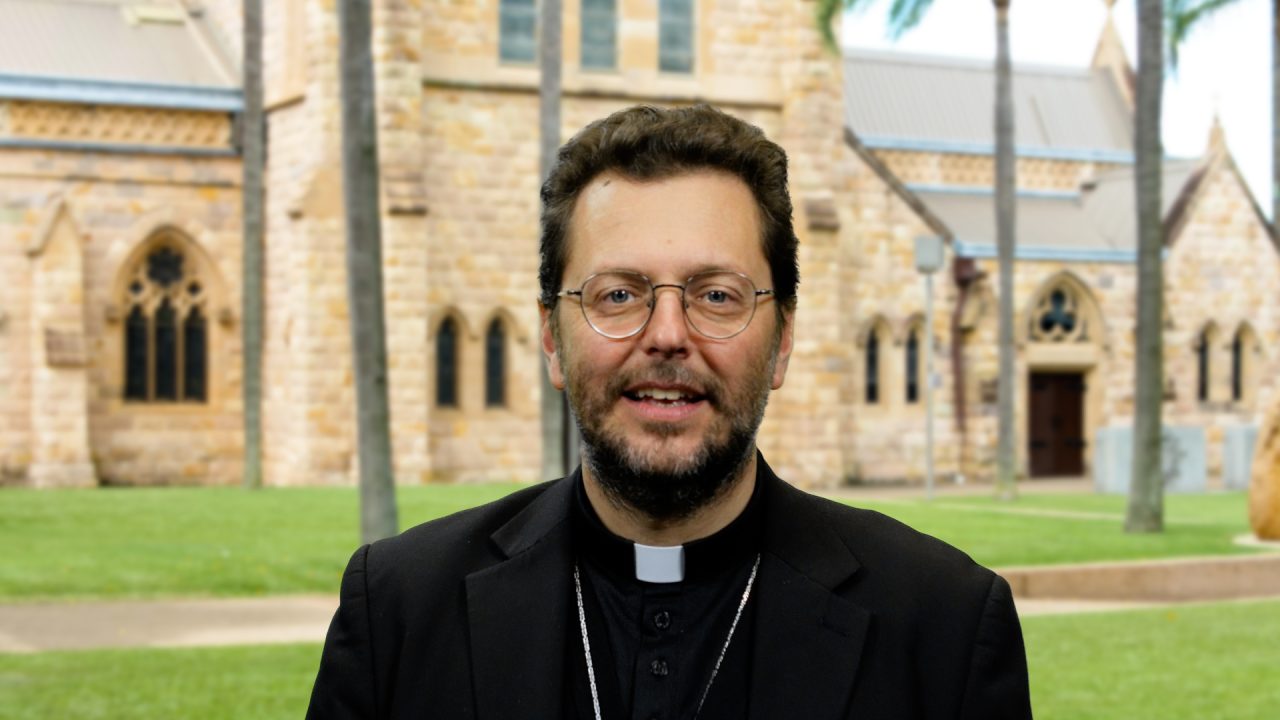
x,y
653,303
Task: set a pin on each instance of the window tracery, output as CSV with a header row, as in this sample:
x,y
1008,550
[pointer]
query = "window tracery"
x,y
166,331
1059,317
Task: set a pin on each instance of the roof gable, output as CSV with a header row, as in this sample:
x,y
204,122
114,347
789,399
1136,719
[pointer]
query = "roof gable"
x,y
109,41
935,100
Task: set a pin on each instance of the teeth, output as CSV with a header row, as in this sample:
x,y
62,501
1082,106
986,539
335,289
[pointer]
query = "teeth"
x,y
657,394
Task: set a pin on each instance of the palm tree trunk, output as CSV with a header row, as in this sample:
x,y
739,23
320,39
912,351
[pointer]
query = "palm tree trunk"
x,y
558,448
1146,492
360,192
1006,233
253,139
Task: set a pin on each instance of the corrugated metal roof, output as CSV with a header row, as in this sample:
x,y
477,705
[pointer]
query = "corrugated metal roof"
x,y
949,100
152,42
1099,219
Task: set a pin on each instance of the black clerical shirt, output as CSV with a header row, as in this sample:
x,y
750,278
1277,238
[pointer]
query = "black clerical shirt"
x,y
654,645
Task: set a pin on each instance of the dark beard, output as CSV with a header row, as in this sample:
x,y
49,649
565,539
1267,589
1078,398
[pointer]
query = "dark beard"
x,y
672,493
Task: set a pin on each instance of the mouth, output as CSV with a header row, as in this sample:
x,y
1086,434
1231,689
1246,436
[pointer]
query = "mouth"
x,y
671,396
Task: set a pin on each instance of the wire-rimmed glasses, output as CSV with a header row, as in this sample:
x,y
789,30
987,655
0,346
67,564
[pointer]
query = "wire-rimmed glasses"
x,y
619,303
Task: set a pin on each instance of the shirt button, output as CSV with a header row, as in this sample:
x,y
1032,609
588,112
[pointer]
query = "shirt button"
x,y
662,620
658,668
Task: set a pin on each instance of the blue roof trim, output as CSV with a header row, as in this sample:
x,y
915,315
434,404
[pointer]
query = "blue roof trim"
x,y
1023,252
1086,154
105,92
37,144
986,191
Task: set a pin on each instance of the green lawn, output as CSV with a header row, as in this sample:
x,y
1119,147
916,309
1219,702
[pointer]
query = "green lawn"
x,y
193,541
1044,529
62,544
245,683
1188,663
1215,661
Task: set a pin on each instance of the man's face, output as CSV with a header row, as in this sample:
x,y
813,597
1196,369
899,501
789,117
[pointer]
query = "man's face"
x,y
662,456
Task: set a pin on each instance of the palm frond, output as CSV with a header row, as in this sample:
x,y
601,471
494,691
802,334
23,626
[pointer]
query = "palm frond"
x,y
906,14
1181,16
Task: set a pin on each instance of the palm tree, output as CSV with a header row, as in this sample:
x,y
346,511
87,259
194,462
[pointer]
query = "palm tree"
x,y
253,140
364,270
904,15
558,434
1183,17
1146,493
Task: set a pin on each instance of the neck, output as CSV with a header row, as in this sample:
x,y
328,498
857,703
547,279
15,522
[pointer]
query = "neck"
x,y
627,522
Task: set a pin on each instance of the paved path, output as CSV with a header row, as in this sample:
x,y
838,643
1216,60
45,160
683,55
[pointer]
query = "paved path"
x,y
164,623
39,627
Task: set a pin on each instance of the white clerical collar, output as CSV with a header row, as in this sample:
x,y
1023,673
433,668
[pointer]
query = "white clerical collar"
x,y
659,564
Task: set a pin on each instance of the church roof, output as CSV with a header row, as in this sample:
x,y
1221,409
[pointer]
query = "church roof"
x,y
947,104
135,52
1095,224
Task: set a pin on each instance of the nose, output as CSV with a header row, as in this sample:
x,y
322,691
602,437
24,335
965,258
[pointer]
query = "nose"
x,y
667,332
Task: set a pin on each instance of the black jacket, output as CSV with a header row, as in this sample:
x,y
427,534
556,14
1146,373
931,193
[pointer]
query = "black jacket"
x,y
859,616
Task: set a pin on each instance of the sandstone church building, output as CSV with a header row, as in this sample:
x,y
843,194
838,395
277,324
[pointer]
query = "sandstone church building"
x,y
120,242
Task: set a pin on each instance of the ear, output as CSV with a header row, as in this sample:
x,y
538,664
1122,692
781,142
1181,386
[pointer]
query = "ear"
x,y
785,345
549,349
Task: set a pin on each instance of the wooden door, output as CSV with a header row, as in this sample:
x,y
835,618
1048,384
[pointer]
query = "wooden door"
x,y
1057,442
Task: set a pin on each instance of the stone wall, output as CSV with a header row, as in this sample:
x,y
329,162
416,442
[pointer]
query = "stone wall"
x,y
1204,284
880,288
102,207
1223,269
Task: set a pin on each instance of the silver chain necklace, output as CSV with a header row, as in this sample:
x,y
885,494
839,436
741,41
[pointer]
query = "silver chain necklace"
x,y
586,642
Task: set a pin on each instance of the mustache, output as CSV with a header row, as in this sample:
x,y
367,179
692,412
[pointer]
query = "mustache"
x,y
666,372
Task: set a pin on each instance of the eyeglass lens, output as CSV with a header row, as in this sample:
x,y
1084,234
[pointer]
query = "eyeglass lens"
x,y
718,305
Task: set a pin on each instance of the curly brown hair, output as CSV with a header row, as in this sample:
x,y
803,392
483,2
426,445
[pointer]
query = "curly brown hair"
x,y
649,143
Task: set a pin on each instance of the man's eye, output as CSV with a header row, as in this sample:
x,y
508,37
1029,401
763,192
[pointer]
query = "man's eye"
x,y
716,297
619,296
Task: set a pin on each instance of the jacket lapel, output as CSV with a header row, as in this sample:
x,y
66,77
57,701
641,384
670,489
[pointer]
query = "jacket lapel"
x,y
518,612
808,639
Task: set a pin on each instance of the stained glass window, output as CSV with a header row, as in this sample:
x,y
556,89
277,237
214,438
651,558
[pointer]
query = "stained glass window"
x,y
136,331
873,368
1202,352
166,336
193,351
166,349
1237,368
913,367
447,364
495,350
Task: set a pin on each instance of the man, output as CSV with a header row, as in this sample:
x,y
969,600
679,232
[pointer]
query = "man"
x,y
674,575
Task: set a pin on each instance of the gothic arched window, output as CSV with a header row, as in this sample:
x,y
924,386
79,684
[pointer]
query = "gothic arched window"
x,y
872,389
166,338
1204,367
495,365
912,362
1244,349
447,364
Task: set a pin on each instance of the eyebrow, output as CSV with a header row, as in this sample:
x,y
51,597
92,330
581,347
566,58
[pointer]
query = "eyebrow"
x,y
697,270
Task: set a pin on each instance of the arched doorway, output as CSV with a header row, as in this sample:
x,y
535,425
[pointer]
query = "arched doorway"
x,y
1064,348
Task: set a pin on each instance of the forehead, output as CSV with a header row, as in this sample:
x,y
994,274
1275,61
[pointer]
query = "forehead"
x,y
677,225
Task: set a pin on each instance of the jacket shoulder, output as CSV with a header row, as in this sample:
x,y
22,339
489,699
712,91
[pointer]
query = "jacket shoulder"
x,y
458,543
890,551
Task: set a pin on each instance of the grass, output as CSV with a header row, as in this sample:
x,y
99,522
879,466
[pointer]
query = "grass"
x,y
1187,663
145,542
155,542
1192,662
246,683
1053,529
